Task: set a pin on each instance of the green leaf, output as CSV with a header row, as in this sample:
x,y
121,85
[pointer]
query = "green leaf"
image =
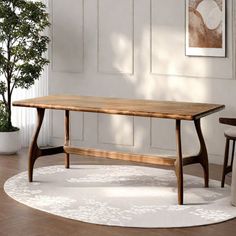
x,y
23,44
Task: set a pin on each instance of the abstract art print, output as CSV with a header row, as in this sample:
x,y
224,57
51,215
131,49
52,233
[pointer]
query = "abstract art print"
x,y
205,28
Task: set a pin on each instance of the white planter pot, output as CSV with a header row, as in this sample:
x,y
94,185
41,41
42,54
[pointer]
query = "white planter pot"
x,y
10,142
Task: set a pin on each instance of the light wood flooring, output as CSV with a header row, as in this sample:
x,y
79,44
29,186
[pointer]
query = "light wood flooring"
x,y
17,219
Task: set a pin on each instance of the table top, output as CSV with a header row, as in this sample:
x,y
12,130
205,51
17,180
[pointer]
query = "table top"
x,y
134,107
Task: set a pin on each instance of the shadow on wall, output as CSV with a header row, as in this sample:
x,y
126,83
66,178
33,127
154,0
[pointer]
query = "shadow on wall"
x,y
163,72
150,64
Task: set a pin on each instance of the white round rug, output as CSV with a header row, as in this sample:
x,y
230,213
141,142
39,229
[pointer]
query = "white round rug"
x,y
131,196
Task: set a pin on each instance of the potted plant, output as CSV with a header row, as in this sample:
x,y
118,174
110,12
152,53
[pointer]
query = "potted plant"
x,y
22,58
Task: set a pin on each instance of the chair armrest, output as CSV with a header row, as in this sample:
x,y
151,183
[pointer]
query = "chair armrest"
x,y
228,121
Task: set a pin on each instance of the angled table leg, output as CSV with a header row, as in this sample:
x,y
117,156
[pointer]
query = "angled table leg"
x,y
203,156
34,151
67,137
179,163
225,161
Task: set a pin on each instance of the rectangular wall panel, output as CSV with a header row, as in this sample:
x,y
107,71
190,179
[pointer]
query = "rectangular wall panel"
x,y
67,33
163,134
168,45
76,125
115,36
116,129
152,32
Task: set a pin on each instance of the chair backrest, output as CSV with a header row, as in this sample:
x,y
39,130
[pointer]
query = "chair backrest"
x,y
228,121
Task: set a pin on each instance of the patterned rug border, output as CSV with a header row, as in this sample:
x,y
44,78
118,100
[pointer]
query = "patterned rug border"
x,y
115,178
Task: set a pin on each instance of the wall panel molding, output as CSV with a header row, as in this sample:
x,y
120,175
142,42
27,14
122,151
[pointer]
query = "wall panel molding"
x,y
67,47
110,139
231,12
164,133
60,119
112,47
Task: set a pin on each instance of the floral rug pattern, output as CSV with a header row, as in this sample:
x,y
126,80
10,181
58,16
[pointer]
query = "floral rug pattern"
x,y
130,196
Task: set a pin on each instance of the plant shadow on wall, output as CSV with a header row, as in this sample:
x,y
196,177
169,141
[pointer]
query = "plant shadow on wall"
x,y
22,48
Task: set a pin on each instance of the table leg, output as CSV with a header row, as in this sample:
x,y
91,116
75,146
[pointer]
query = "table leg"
x,y
67,137
34,151
225,162
203,156
179,163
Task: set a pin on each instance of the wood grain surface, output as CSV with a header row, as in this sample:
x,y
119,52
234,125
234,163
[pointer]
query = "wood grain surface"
x,y
134,107
147,159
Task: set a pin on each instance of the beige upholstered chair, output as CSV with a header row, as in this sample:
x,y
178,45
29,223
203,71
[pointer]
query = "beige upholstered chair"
x,y
230,135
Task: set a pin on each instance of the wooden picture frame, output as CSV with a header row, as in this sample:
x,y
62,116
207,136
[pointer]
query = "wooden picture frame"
x,y
206,28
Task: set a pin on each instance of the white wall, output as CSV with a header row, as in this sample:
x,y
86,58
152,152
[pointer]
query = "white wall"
x,y
136,49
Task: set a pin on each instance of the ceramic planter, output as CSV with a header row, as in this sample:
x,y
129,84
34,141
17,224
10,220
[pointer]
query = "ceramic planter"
x,y
9,142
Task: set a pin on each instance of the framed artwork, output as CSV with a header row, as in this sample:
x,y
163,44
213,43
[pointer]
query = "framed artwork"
x,y
206,28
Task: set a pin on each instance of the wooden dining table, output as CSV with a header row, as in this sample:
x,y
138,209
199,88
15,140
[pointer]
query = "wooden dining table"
x,y
178,111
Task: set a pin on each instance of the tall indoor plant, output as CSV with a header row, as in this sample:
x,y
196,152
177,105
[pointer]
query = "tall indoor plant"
x,y
23,44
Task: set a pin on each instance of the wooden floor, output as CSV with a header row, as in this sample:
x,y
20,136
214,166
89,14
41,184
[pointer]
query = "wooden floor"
x,y
17,219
